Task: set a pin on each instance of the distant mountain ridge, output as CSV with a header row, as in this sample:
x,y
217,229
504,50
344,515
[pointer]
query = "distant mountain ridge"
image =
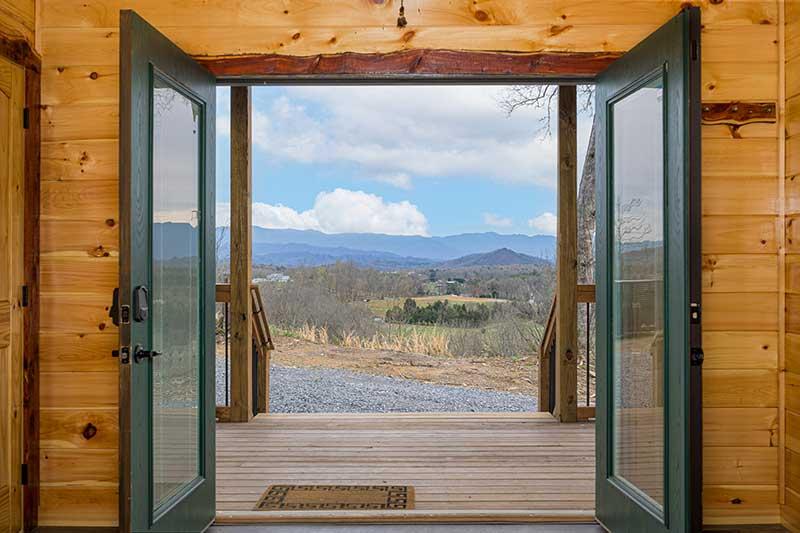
x,y
501,257
286,247
432,248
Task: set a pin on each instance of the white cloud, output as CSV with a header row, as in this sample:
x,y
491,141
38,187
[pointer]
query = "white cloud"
x,y
546,223
401,180
490,219
391,133
340,211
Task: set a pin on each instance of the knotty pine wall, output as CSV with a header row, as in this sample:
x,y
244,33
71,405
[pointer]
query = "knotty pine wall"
x,y
18,20
742,225
791,509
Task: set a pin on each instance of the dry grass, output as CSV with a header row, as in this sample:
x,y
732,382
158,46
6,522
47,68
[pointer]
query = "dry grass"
x,y
430,341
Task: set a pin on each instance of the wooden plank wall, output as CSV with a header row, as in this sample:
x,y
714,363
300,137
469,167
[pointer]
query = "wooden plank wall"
x,y
18,20
791,507
742,222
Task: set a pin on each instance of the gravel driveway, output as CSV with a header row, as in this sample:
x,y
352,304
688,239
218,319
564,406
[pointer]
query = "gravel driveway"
x,y
324,390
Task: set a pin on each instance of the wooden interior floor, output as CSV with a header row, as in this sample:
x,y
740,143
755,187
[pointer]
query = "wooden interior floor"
x,y
463,467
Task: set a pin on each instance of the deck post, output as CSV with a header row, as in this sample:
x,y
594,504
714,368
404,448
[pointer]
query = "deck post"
x,y
566,382
241,256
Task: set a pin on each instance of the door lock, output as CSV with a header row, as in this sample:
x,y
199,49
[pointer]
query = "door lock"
x,y
140,353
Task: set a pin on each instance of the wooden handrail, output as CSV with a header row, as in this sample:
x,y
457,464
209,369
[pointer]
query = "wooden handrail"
x,y
262,344
585,294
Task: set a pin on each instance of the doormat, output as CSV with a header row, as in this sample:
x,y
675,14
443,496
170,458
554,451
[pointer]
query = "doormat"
x,y
336,497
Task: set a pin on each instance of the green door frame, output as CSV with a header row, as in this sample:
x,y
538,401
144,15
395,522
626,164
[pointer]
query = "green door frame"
x,y
672,52
146,55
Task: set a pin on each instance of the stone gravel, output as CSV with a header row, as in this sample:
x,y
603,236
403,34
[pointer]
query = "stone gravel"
x,y
326,390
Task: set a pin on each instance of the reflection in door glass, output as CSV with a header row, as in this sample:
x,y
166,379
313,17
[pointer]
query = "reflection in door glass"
x,y
176,294
637,240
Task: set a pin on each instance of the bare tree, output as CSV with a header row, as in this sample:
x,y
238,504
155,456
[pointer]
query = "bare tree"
x,y
221,252
544,97
631,224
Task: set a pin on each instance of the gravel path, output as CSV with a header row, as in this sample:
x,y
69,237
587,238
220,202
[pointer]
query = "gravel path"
x,y
324,390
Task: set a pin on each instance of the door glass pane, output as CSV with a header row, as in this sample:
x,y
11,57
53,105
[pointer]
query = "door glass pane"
x,y
175,298
637,317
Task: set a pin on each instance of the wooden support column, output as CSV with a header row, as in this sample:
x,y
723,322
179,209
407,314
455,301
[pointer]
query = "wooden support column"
x,y
241,310
566,409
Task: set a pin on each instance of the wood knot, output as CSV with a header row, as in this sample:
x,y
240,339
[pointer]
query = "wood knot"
x,y
94,75
332,40
481,15
716,2
99,252
407,36
89,431
296,36
569,355
736,501
101,326
110,222
558,30
60,69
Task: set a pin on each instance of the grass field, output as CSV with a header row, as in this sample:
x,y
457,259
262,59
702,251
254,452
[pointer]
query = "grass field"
x,y
379,307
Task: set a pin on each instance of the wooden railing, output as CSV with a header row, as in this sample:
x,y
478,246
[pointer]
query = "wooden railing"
x,y
260,356
548,360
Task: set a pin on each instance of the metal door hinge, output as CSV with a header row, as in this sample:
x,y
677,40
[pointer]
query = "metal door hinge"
x,y
26,118
25,296
697,357
694,313
23,474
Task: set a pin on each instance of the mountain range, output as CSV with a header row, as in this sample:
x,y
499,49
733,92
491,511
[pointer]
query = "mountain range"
x,y
287,247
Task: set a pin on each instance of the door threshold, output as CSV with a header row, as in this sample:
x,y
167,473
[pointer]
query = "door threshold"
x,y
405,516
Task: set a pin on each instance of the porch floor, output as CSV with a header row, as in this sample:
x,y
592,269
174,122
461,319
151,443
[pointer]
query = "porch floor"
x,y
502,467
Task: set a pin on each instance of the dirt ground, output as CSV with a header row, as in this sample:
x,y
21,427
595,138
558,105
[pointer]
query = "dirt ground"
x,y
492,373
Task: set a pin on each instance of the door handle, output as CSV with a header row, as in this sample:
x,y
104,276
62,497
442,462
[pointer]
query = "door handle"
x,y
140,353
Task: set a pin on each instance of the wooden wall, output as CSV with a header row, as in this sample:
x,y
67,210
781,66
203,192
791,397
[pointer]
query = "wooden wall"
x,y
742,203
791,509
18,19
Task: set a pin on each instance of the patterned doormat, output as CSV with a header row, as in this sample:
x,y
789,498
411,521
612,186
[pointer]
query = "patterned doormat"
x,y
336,497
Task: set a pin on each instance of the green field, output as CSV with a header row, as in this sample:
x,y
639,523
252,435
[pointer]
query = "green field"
x,y
379,307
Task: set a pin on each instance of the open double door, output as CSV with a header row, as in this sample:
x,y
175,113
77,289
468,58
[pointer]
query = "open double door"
x,y
648,462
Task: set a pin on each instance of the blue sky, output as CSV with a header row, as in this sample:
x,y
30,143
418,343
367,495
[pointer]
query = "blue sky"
x,y
427,160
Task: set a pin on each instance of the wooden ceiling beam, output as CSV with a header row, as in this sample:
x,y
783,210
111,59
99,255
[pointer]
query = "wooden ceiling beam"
x,y
412,64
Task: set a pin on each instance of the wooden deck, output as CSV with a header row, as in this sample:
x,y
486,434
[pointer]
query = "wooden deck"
x,y
464,467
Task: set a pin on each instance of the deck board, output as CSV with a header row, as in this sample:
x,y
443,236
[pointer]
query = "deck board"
x,y
508,466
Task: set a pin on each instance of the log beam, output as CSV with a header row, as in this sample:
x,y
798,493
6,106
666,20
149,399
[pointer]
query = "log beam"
x,y
413,64
567,258
241,408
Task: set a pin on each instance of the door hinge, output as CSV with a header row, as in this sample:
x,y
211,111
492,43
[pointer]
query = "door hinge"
x,y
25,296
26,118
694,313
697,356
23,474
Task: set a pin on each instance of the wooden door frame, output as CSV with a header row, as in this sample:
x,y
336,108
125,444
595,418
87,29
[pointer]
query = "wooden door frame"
x,y
448,67
440,67
21,53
